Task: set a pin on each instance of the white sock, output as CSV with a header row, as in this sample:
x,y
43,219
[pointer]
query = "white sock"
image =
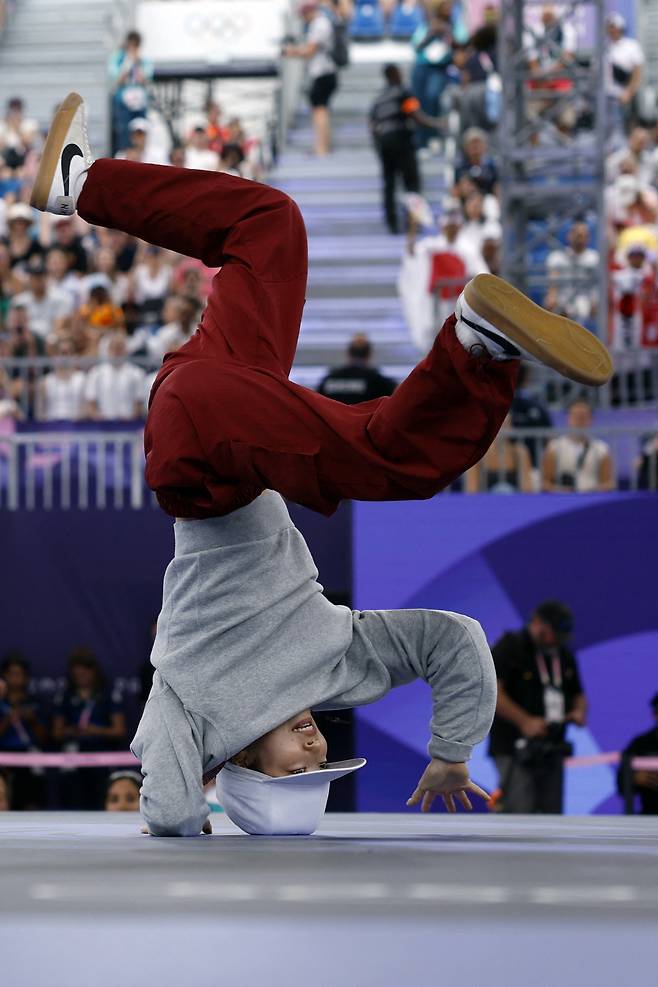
x,y
468,337
78,183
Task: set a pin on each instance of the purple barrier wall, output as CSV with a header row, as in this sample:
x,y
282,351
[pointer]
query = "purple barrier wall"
x,y
94,578
495,557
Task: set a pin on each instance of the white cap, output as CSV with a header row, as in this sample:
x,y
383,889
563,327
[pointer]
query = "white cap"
x,y
616,20
292,805
20,210
139,123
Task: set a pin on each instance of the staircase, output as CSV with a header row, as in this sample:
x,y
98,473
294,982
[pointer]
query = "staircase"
x,y
354,260
51,47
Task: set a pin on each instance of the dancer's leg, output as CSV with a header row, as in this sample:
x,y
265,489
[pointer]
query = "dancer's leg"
x,y
255,233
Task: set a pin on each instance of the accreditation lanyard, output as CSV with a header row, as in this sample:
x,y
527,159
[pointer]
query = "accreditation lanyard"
x,y
554,708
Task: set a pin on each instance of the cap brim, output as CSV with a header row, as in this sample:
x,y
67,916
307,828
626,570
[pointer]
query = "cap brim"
x,y
334,770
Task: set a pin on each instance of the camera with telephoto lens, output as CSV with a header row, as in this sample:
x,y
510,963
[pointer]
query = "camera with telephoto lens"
x,y
535,750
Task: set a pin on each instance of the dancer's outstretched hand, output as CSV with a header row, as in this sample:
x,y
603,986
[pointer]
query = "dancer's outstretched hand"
x,y
450,781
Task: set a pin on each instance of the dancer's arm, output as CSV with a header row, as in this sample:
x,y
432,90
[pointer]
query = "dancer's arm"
x,y
172,800
450,652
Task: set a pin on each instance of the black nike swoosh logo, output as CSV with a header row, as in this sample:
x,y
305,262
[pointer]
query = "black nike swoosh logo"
x,y
506,347
70,151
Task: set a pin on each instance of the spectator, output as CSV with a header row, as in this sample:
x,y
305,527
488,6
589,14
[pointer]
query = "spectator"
x,y
393,119
577,462
5,792
539,693
10,411
231,159
504,468
107,275
100,319
130,75
17,134
639,151
181,318
215,129
551,50
645,782
465,187
22,245
135,149
356,381
479,95
61,393
60,276
43,303
115,388
477,163
23,343
573,288
11,282
322,70
123,788
87,718
150,282
432,45
67,239
629,202
198,153
177,156
21,730
625,64
634,300
492,236
647,465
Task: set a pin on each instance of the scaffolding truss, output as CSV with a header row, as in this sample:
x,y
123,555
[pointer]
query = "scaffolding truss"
x,y
552,142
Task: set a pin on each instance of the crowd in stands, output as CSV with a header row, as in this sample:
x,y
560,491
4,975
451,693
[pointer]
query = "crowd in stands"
x,y
84,713
95,310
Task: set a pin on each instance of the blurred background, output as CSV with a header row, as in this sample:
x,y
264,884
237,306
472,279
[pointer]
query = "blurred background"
x,y
425,143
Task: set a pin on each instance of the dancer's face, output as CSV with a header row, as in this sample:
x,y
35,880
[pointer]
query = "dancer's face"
x,y
294,747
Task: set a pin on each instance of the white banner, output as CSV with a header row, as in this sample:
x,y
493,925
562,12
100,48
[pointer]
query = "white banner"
x,y
212,31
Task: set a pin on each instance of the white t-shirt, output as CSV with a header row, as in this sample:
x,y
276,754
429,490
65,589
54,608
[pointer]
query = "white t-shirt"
x,y
43,312
579,461
148,287
63,396
168,338
321,32
115,389
201,159
626,55
576,297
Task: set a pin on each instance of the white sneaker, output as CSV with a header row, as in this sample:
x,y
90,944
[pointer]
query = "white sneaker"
x,y
493,315
65,160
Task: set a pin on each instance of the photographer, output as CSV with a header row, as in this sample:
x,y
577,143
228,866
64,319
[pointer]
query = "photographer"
x,y
539,693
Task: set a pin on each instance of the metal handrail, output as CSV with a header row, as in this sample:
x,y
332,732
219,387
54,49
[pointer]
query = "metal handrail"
x,y
104,470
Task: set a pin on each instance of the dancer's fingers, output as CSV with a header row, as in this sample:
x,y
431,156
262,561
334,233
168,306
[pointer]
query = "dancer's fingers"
x,y
449,802
472,787
428,798
464,799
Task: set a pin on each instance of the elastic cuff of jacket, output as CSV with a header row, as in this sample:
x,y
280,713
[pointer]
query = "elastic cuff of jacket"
x,y
448,750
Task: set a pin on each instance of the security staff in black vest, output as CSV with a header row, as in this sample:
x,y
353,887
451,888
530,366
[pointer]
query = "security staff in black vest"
x,y
645,782
539,693
356,381
393,119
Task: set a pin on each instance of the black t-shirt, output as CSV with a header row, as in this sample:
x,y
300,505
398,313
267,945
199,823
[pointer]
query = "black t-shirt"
x,y
527,412
391,113
646,745
353,384
516,667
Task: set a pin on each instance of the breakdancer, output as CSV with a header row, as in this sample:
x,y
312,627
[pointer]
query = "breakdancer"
x,y
246,644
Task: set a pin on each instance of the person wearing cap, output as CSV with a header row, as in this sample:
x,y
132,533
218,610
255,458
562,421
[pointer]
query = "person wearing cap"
x,y
356,380
624,67
316,49
45,303
539,694
22,245
246,645
645,781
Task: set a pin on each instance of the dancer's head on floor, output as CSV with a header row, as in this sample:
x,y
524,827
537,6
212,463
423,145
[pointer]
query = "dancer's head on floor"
x,y
279,785
295,747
